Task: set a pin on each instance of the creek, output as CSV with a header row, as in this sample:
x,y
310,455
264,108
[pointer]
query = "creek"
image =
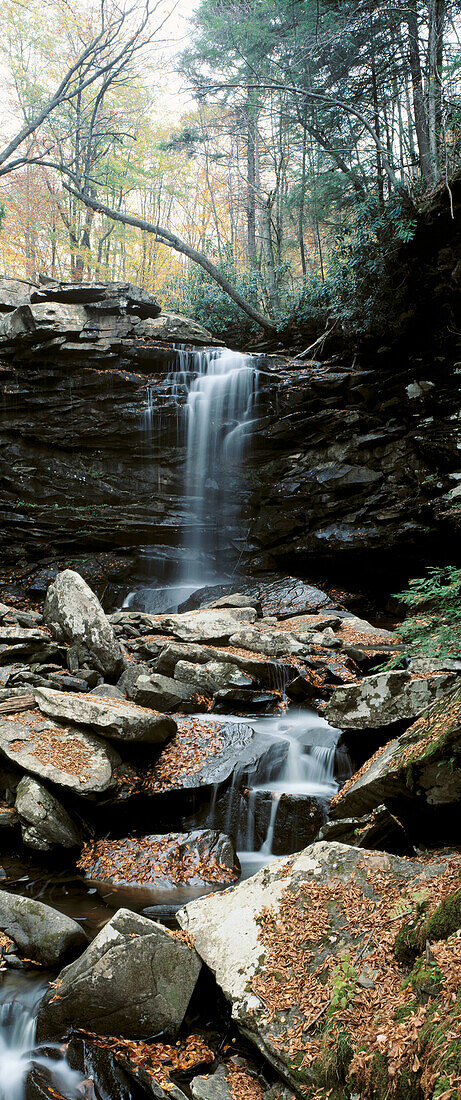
x,y
217,400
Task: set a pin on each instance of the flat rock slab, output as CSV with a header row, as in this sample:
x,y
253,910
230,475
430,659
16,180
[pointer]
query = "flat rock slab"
x,y
67,756
13,634
383,699
203,752
202,857
204,626
135,979
422,764
286,596
40,933
275,942
113,718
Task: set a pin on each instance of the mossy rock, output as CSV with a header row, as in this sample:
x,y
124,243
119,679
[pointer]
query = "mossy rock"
x,y
445,920
407,943
448,1060
407,1087
425,980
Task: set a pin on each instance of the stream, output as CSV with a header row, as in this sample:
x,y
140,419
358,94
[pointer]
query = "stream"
x,y
217,395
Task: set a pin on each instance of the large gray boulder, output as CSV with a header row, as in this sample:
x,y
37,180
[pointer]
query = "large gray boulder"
x,y
74,614
39,932
45,824
420,769
14,293
212,676
135,979
205,626
383,699
278,643
304,947
113,718
153,690
65,755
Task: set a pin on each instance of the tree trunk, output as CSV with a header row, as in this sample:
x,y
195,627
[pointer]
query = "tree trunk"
x,y
421,123
252,140
437,12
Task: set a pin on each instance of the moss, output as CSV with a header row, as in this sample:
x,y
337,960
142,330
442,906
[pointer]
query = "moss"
x,y
337,1062
407,1087
447,1051
446,919
404,1011
407,943
425,980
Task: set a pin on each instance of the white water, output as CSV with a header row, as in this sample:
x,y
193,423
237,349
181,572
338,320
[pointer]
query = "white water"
x,y
309,769
19,1053
215,393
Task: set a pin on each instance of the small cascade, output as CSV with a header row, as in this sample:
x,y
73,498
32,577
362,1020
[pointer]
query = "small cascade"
x,y
19,1052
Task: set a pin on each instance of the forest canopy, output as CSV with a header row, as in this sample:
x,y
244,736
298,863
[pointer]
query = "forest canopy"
x,y
276,141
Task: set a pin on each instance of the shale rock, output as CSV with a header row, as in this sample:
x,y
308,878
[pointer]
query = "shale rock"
x,y
135,979
113,718
276,944
212,676
76,616
44,822
383,699
205,626
379,829
65,755
419,771
161,862
39,932
153,690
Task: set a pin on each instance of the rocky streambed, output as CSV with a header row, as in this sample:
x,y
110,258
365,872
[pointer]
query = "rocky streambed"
x,y
228,862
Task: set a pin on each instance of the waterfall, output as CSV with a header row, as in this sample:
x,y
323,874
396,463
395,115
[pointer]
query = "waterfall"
x,y
19,1052
214,394
219,415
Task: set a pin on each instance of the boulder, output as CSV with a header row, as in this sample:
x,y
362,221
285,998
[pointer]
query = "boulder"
x,y
135,979
153,690
75,615
262,670
304,950
14,293
207,751
288,596
420,769
148,864
379,829
383,699
44,822
113,718
205,626
65,755
39,932
212,676
280,643
11,634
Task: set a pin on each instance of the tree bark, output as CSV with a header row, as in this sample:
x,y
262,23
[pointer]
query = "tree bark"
x,y
437,13
421,122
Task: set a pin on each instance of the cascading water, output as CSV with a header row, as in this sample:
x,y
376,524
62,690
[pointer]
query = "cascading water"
x,y
19,1052
219,415
215,395
313,765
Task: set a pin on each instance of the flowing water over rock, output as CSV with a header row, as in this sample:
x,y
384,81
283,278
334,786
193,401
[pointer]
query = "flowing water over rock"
x,y
215,392
19,1052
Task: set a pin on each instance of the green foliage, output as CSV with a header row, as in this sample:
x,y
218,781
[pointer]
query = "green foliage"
x,y
199,297
434,628
357,292
344,984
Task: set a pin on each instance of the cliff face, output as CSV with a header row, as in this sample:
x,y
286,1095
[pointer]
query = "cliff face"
x,y
347,463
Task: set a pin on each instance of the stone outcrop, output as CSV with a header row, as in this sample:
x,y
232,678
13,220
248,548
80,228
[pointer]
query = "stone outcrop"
x,y
45,823
75,615
383,699
419,772
303,951
39,932
135,979
67,756
113,718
